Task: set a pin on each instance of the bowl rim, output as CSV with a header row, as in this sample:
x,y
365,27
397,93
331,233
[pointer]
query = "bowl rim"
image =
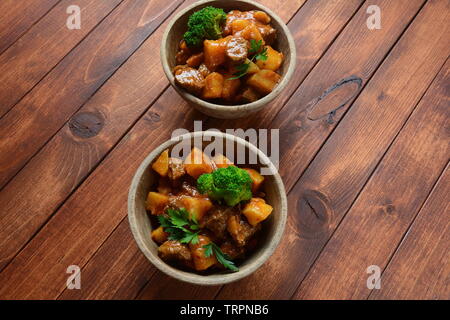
x,y
221,107
190,277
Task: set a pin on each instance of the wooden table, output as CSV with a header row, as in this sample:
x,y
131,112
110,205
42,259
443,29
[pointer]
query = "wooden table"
x,y
366,167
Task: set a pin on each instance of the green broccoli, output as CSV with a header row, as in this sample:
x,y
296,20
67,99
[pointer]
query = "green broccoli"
x,y
204,24
230,184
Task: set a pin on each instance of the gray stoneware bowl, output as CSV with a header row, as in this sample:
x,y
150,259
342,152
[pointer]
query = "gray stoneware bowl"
x,y
178,26
272,231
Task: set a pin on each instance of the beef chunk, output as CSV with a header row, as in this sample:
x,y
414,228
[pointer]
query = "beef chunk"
x,y
240,230
174,251
268,33
237,49
216,221
190,79
176,168
232,250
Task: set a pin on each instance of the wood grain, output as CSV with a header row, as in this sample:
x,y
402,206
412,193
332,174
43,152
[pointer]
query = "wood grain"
x,y
37,190
171,104
28,60
108,224
329,186
389,202
420,268
90,229
42,112
160,112
16,17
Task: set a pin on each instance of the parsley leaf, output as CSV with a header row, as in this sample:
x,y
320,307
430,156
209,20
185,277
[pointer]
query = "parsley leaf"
x,y
179,226
259,52
242,70
223,259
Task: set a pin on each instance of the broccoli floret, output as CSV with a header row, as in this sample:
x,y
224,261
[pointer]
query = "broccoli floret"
x,y
205,24
230,184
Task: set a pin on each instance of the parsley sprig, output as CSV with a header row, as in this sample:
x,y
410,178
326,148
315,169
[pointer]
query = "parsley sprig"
x,y
179,226
255,48
223,259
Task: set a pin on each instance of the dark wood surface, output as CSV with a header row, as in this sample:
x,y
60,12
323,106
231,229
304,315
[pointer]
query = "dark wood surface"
x,y
365,165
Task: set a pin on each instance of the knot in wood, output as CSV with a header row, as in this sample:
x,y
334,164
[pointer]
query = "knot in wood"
x,y
86,124
314,214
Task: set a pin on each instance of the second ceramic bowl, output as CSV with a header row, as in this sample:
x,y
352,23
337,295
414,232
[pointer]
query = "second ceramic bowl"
x,y
174,33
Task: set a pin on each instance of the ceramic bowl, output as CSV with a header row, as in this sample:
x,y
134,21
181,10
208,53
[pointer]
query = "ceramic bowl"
x,y
178,26
145,180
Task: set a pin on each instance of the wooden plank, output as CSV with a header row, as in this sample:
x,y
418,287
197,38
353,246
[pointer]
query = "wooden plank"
x,y
329,186
37,190
28,60
16,17
163,111
109,223
42,112
420,268
389,202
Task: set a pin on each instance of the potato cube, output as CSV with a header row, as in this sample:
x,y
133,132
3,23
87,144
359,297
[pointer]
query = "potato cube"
x,y
251,32
197,163
252,67
201,262
221,161
256,211
273,61
239,25
195,60
230,87
161,165
264,81
215,52
262,17
213,86
197,207
156,202
159,235
257,179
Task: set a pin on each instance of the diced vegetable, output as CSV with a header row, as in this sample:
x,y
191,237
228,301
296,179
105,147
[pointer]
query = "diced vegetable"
x,y
195,60
213,86
252,67
221,161
256,211
257,179
262,17
239,25
273,61
251,32
264,81
201,262
159,236
215,52
197,207
161,165
230,87
156,202
197,163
